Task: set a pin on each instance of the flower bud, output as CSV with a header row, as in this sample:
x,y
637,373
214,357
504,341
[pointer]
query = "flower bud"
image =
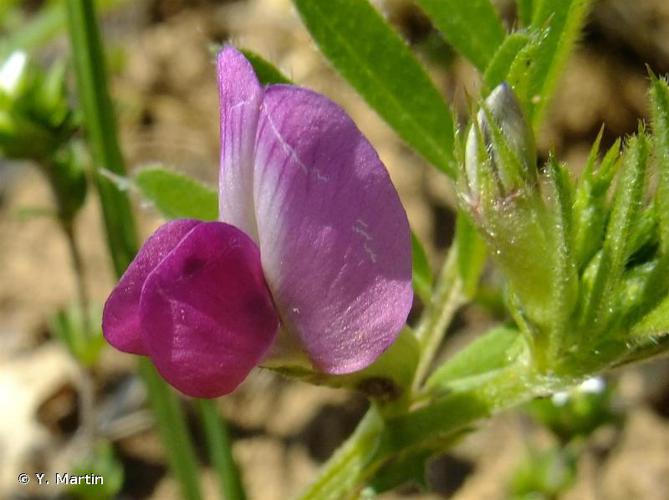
x,y
502,194
500,154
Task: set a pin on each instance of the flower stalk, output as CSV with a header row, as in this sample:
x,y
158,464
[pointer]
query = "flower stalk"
x,y
446,300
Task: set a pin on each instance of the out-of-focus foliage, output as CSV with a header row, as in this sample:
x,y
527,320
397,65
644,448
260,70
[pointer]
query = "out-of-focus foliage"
x,y
21,29
458,20
35,116
37,124
102,463
578,412
543,475
68,326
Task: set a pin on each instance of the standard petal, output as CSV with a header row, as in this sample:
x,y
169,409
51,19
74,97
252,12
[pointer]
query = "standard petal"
x,y
240,96
334,237
207,317
120,319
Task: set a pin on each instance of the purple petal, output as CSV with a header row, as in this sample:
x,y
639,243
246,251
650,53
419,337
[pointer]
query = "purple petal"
x,y
334,238
206,314
120,319
240,97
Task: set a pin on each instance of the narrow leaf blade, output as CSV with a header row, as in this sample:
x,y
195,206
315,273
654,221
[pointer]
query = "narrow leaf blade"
x,y
564,278
618,239
176,195
524,9
563,22
659,95
655,323
500,63
472,27
494,350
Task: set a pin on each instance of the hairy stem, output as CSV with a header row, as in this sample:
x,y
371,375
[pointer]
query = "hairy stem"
x,y
446,300
341,475
376,442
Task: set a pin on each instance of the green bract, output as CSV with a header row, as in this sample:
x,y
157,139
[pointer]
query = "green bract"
x,y
585,261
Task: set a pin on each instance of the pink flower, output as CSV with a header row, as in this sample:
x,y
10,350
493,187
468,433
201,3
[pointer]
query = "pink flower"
x,y
313,245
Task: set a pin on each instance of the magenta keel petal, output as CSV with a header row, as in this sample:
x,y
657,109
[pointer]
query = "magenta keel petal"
x,y
206,315
120,319
333,235
240,96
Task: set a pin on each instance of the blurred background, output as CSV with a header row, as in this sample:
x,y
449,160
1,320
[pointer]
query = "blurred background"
x,y
607,440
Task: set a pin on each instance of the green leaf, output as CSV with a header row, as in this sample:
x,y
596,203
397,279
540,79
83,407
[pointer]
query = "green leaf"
x,y
642,288
562,21
500,64
643,239
176,195
659,95
422,272
266,72
617,244
590,203
520,72
377,62
471,252
655,323
493,351
524,9
607,170
564,277
472,27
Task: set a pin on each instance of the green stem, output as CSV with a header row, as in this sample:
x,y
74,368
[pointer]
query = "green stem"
x,y
100,124
220,450
88,428
173,430
446,300
375,442
341,476
85,382
79,276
